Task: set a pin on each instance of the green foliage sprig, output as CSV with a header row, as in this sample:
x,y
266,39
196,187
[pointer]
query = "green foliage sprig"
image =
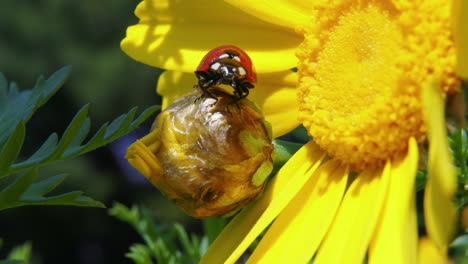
x,y
459,147
16,108
21,254
165,244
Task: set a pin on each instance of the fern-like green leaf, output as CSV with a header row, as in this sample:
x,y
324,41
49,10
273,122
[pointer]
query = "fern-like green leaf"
x,y
109,133
122,121
21,254
164,245
16,106
10,151
46,149
24,191
139,254
41,188
459,147
69,145
72,131
10,196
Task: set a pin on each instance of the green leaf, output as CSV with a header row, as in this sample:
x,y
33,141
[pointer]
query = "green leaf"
x,y
12,147
125,214
421,179
69,145
79,137
120,123
161,243
21,253
284,151
204,245
16,109
459,147
46,149
13,89
10,196
12,113
108,133
74,198
81,134
45,186
18,106
145,115
95,141
191,246
139,254
459,249
53,84
70,132
24,191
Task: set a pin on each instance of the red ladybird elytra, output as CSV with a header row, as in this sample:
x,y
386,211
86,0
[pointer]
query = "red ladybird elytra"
x,y
228,65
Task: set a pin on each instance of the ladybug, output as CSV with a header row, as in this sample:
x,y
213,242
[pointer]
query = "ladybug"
x,y
228,65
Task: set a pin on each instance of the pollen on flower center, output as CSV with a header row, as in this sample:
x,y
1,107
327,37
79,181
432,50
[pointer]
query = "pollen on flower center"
x,y
361,69
357,63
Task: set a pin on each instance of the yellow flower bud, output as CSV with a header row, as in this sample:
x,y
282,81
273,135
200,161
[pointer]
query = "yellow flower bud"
x,y
211,157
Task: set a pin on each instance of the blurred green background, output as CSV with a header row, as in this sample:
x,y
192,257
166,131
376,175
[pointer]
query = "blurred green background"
x,y
37,37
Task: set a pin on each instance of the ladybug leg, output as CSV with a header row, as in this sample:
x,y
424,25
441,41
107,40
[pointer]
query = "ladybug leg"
x,y
237,94
246,86
206,89
205,81
245,91
238,91
242,90
206,92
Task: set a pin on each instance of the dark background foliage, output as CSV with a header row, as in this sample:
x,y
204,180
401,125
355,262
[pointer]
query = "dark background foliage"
x,y
37,37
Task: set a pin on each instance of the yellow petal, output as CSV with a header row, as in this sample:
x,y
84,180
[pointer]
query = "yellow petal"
x,y
275,94
175,35
250,222
460,16
174,84
395,240
439,208
284,13
305,220
349,236
430,254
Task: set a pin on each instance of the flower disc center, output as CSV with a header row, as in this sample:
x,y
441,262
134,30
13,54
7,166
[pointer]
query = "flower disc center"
x,y
350,90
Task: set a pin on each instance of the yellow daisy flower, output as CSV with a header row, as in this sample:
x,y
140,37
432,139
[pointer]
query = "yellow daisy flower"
x,y
370,87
